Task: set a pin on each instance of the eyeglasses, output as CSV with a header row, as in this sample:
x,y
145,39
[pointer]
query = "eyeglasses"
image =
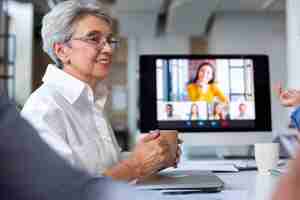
x,y
99,40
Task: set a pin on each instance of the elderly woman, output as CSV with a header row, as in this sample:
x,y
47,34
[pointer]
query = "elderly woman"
x,y
67,110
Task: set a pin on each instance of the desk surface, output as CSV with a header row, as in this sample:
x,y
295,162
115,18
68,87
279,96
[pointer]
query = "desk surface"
x,y
258,187
250,184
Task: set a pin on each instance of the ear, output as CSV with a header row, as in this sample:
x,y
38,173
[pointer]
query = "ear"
x,y
62,51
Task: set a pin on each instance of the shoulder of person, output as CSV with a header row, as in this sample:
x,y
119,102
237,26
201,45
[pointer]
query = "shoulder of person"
x,y
41,102
214,86
192,86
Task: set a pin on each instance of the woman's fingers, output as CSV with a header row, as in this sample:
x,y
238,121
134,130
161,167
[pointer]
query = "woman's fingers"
x,y
179,141
278,88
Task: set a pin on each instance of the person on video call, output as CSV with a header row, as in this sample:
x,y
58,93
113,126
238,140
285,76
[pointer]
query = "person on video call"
x,y
203,86
68,109
219,112
242,111
194,112
170,113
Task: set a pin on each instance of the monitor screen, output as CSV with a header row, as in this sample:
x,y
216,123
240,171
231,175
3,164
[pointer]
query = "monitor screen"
x,y
205,93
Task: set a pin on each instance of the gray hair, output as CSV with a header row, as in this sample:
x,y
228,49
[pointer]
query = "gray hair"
x,y
58,24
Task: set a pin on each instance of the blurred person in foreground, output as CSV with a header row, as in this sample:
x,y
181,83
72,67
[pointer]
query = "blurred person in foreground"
x,y
68,109
288,187
31,170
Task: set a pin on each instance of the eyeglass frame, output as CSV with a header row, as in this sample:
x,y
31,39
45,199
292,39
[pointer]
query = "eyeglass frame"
x,y
104,39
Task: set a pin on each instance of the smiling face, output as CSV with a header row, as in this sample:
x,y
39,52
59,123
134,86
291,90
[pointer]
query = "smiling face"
x,y
218,109
205,74
194,109
242,108
169,110
85,60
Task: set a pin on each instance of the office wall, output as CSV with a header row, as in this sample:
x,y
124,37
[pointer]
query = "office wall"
x,y
254,33
170,44
21,24
117,83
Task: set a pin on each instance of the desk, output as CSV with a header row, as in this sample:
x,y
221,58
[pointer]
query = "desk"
x,y
250,184
258,187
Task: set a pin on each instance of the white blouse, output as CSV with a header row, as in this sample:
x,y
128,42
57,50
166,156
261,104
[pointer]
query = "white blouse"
x,y
71,120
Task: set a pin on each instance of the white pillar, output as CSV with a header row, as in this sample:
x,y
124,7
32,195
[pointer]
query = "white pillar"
x,y
21,25
132,71
293,43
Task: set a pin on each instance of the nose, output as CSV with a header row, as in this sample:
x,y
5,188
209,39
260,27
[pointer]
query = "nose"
x,y
207,74
106,47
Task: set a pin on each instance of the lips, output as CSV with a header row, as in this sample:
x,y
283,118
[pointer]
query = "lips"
x,y
104,60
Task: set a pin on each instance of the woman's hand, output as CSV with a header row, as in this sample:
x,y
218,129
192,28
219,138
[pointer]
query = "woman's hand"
x,y
288,98
150,155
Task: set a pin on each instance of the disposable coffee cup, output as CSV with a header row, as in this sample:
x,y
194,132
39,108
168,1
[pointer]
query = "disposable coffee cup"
x,y
266,156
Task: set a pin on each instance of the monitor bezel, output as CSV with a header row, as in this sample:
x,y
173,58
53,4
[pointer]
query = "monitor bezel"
x,y
148,104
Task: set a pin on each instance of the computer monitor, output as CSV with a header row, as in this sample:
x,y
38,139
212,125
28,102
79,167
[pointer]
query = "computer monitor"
x,y
212,99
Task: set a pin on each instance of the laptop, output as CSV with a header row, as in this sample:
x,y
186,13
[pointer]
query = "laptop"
x,y
202,181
